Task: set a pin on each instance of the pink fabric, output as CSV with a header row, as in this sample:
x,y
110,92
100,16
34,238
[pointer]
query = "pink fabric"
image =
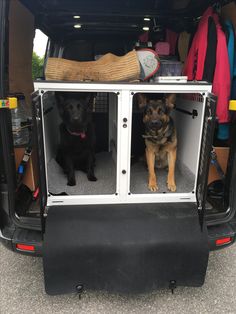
x,y
171,38
162,48
194,66
222,81
143,38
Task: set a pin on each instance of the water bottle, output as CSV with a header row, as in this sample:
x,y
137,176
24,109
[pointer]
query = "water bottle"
x,y
18,115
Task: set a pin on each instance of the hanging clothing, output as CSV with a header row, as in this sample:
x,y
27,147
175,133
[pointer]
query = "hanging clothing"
x,y
183,45
143,38
223,131
210,60
231,46
232,56
196,64
171,38
233,87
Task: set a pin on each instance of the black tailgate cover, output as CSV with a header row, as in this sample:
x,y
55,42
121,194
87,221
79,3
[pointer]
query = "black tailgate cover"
x,y
123,248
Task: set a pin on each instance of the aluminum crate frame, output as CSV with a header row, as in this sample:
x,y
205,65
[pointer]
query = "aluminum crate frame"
x,y
125,92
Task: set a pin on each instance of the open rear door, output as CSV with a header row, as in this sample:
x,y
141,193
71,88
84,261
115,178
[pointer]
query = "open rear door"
x,y
124,248
7,161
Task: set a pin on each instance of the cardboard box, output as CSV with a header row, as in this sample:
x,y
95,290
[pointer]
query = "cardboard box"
x,y
222,154
31,178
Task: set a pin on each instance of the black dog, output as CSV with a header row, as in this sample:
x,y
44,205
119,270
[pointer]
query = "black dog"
x,y
76,150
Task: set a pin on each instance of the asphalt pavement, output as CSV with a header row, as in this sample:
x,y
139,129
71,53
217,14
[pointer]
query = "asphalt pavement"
x,y
22,291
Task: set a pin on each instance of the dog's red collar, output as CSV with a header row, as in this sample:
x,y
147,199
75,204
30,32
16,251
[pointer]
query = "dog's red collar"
x,y
82,135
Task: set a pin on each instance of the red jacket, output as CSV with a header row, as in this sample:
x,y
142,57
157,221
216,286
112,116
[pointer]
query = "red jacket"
x,y
194,66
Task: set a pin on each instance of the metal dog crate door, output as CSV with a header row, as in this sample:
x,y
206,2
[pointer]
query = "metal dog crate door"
x,y
121,177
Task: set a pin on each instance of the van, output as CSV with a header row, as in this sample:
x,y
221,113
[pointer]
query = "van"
x,y
113,234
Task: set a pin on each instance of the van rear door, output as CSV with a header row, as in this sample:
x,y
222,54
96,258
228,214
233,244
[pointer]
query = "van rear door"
x,y
7,166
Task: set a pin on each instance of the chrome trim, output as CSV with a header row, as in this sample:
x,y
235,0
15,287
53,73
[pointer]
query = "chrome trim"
x,y
3,237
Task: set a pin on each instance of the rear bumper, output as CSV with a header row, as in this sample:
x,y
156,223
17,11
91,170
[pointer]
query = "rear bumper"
x,y
22,236
223,231
31,237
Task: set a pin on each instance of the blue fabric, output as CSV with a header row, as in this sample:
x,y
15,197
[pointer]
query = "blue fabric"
x,y
233,89
21,169
232,57
231,46
223,131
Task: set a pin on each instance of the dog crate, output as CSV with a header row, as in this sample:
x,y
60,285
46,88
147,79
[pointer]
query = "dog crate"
x,y
123,178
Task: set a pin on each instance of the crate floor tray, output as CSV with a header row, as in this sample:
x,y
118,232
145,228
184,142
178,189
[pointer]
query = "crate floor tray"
x,y
123,248
139,177
106,174
104,171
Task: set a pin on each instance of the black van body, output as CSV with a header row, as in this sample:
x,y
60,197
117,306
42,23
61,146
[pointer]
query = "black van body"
x,y
116,247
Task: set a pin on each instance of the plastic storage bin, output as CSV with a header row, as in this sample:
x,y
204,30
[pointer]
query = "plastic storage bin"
x,y
170,68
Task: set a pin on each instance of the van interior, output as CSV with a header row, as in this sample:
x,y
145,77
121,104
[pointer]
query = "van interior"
x,y
116,27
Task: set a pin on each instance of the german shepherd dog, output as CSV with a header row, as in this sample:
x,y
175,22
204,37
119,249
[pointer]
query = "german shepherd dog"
x,y
76,149
160,137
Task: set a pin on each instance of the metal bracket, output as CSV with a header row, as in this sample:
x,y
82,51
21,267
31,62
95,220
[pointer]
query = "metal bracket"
x,y
172,285
79,290
194,112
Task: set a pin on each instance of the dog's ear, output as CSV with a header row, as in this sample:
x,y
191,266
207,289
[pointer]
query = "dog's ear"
x,y
170,100
142,100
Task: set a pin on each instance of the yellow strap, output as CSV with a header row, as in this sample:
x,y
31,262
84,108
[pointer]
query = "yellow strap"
x,y
232,105
10,102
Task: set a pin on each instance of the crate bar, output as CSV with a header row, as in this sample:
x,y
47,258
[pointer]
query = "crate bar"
x,y
124,140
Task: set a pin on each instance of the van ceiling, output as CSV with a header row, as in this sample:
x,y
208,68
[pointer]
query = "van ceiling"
x,y
123,18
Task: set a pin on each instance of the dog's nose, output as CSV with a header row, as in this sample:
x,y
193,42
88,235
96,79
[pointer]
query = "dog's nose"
x,y
157,124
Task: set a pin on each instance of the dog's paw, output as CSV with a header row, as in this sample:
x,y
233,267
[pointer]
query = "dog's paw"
x,y
71,182
171,186
153,187
91,178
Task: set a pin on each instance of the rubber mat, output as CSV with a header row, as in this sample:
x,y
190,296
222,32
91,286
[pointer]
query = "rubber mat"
x,y
123,248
